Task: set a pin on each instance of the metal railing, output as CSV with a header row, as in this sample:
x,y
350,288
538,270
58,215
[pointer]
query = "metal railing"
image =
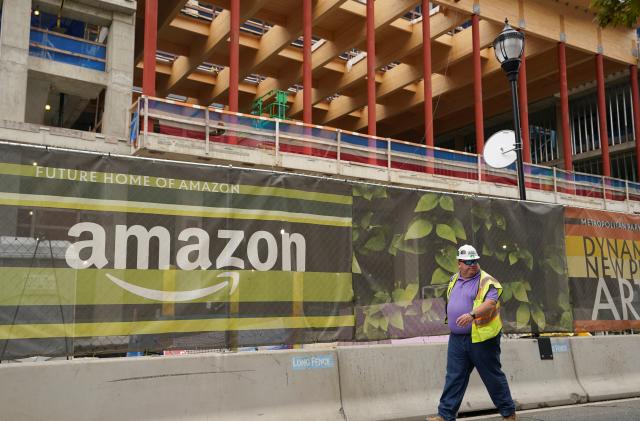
x,y
200,127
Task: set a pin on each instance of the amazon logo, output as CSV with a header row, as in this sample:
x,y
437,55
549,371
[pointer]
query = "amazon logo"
x,y
178,296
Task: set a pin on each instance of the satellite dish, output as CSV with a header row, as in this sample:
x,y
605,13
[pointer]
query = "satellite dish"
x,y
500,149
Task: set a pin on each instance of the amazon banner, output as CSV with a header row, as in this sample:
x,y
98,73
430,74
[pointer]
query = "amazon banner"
x,y
103,254
405,244
603,254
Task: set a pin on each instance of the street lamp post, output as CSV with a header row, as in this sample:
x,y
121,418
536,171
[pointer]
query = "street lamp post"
x,y
508,47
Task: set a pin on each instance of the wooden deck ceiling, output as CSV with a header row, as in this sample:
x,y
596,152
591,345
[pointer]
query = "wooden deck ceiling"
x,y
339,91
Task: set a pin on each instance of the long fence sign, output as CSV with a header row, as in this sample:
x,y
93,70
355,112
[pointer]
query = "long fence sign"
x,y
603,256
103,254
113,254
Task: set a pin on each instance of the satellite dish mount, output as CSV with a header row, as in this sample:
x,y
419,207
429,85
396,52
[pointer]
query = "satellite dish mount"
x,y
501,150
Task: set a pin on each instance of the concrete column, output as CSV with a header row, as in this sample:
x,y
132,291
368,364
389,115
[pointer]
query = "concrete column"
x,y
120,75
14,52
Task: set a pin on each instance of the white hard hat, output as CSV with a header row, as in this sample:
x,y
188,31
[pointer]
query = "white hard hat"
x,y
467,252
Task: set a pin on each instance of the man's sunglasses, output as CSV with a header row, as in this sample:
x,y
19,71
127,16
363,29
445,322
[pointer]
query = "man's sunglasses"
x,y
469,262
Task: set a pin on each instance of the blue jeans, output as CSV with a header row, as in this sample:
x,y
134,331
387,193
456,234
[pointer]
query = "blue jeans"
x,y
462,357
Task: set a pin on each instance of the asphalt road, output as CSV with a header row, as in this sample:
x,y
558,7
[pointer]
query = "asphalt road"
x,y
618,410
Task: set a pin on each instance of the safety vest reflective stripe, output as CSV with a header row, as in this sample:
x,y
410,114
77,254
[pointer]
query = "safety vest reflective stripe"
x,y
483,321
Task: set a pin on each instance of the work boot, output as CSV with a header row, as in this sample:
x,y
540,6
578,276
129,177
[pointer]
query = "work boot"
x,y
511,417
435,418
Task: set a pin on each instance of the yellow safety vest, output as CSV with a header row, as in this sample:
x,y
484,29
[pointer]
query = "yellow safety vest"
x,y
490,325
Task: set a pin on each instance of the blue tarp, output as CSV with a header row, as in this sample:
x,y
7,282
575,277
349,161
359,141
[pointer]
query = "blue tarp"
x,y
71,27
68,47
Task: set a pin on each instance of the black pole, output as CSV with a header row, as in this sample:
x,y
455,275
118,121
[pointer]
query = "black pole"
x,y
513,78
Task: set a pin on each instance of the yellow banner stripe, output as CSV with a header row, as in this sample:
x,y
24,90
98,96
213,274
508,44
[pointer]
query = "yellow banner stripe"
x,y
174,183
79,330
59,202
51,287
574,246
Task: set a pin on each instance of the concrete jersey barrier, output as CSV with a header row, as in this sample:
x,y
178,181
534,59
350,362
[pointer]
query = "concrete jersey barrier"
x,y
533,382
608,367
384,382
360,383
269,386
405,382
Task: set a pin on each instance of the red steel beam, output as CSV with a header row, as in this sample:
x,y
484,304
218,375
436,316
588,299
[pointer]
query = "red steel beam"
x,y
234,56
426,65
306,63
602,117
371,68
150,47
564,106
633,75
524,110
477,84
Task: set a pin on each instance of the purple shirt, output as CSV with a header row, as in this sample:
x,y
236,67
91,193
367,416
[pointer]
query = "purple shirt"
x,y
461,301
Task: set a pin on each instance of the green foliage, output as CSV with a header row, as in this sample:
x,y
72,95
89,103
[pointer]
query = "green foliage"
x,y
616,12
507,292
397,320
427,202
501,222
404,297
446,259
556,263
369,192
426,305
446,232
563,301
566,321
522,316
440,277
420,227
394,246
519,292
538,316
355,267
390,311
438,224
376,242
366,220
526,256
458,228
446,203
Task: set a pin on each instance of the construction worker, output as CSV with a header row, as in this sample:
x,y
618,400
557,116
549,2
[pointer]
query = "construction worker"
x,y
473,316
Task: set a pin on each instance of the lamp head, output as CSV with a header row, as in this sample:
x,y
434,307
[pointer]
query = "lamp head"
x,y
508,47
